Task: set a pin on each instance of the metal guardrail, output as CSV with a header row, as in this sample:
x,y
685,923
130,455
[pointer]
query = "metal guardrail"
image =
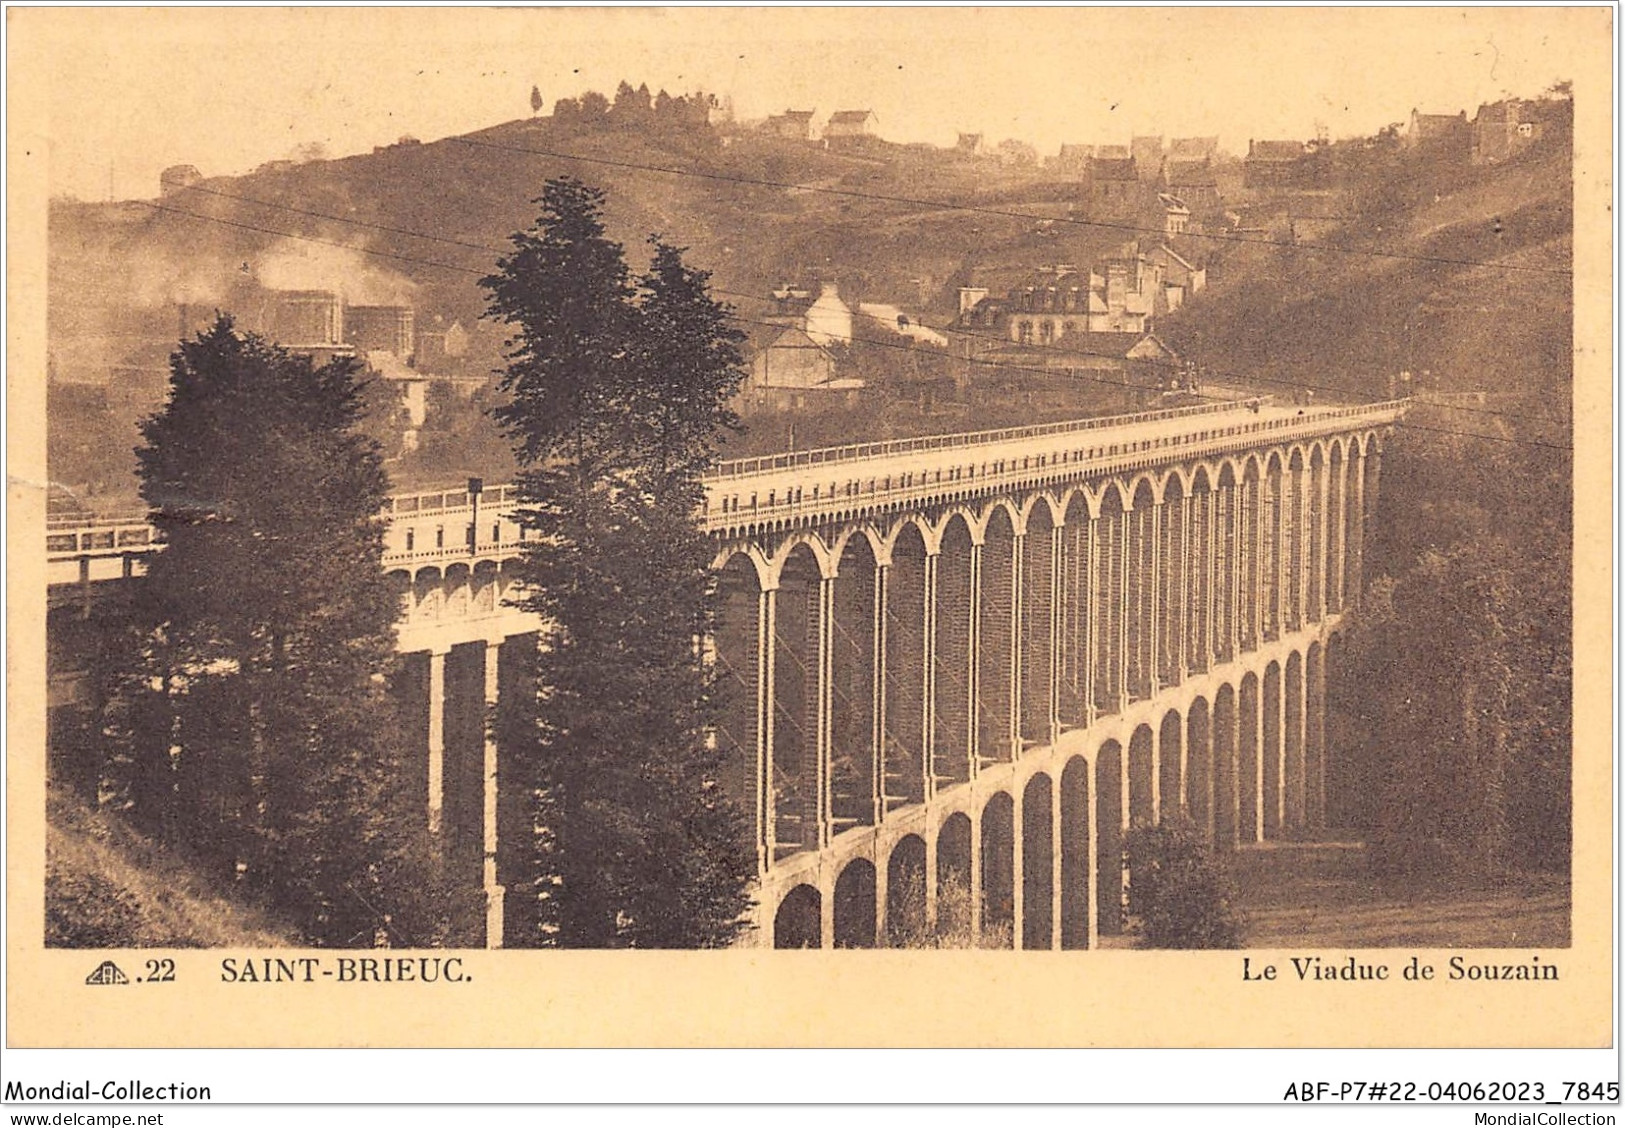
x,y
818,456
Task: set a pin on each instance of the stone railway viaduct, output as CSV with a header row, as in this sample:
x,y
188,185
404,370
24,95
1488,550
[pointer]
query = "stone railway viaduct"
x,y
956,669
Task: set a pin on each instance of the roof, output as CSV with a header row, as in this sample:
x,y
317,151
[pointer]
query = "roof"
x,y
1192,148
794,337
1503,111
1191,174
1112,169
795,115
1165,249
1122,344
850,117
1172,203
1275,150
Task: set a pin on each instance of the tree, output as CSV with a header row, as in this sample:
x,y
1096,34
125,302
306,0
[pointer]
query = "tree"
x,y
618,398
1458,711
1178,891
248,718
536,102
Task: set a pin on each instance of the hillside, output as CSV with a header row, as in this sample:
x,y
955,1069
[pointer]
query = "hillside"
x,y
1468,283
1448,269
108,887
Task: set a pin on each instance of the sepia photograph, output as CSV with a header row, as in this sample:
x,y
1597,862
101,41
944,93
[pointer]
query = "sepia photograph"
x,y
1098,482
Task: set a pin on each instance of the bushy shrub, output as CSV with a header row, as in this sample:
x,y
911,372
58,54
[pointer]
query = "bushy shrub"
x,y
1180,895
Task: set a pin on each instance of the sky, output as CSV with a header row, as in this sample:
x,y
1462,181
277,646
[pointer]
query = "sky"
x,y
132,91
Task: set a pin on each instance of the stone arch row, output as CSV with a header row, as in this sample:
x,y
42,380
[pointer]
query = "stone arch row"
x,y
958,490
436,593
866,668
1037,863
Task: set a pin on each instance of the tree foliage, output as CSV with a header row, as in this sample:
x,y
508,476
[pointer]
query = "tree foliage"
x,y
1179,893
618,398
1460,663
247,717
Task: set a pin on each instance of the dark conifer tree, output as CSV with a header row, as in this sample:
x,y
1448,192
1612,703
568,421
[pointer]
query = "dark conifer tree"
x,y
250,721
619,395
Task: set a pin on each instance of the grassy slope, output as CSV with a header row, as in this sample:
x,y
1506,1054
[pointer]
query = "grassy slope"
x,y
108,886
1350,320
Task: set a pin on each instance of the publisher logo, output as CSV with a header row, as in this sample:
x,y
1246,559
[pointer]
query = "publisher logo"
x,y
106,975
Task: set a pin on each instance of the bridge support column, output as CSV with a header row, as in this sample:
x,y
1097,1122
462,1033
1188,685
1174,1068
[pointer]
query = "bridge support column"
x,y
1319,554
1178,623
1338,551
1273,775
1058,598
1091,623
975,876
973,710
1018,632
766,707
826,911
1302,542
1056,797
1236,565
1295,739
931,833
1211,564
494,892
1120,596
1092,864
1315,711
1018,867
1227,773
437,740
1258,559
1356,550
1280,552
928,695
878,713
1153,556
824,735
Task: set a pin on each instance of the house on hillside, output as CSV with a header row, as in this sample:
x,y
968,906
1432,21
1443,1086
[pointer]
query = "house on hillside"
x,y
1113,188
794,362
1277,164
1147,154
1444,136
1176,217
1181,278
1502,130
849,126
1140,359
791,125
1193,148
1063,307
1043,327
1195,185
